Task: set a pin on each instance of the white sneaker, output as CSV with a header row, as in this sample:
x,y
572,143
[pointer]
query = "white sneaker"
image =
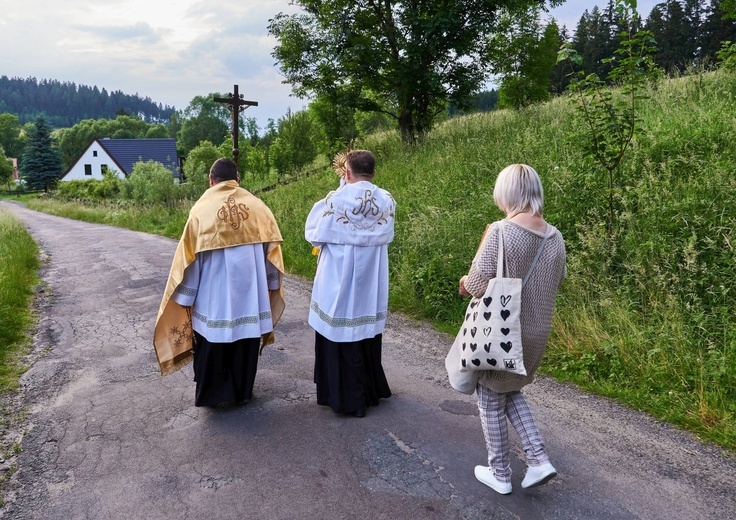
x,y
538,475
485,475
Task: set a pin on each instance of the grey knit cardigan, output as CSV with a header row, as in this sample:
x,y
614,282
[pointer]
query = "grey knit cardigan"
x,y
537,296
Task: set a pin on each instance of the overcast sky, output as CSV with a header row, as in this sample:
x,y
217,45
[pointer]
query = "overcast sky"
x,y
168,50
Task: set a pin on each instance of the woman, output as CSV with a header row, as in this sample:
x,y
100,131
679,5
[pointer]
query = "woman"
x,y
518,193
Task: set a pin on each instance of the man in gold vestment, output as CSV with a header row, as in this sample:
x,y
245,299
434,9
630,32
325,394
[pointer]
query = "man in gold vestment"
x,y
224,293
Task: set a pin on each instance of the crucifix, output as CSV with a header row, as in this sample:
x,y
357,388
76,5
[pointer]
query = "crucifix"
x,y
235,104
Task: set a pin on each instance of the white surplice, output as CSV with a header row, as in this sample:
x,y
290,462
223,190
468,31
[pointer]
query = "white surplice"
x,y
352,226
228,291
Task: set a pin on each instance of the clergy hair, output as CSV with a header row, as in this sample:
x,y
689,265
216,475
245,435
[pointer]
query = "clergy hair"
x,y
361,163
518,190
224,170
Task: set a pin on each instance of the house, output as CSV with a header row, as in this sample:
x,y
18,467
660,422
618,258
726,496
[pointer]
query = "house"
x,y
16,178
120,155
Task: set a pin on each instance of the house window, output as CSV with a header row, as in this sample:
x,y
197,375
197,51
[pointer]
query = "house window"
x,y
103,169
88,169
94,153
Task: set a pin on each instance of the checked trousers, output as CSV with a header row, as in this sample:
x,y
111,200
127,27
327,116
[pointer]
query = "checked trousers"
x,y
494,410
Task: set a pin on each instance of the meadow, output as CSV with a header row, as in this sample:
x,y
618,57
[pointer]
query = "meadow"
x,y
646,313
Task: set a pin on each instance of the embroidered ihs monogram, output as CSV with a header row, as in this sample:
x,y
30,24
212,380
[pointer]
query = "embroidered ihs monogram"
x,y
232,212
367,206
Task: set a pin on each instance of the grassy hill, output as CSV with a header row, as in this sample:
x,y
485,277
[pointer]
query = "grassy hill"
x,y
647,313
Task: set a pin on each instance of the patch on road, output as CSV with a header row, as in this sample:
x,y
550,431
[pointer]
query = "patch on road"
x,y
459,407
400,469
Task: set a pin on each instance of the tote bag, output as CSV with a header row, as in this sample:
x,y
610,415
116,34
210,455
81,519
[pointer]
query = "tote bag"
x,y
490,337
463,381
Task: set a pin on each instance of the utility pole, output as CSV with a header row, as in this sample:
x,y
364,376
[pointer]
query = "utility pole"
x,y
235,104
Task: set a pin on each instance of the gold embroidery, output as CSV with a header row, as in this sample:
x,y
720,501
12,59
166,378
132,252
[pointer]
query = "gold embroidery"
x,y
185,335
233,213
329,211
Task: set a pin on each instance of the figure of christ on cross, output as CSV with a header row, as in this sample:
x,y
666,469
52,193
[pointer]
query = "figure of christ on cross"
x,y
235,104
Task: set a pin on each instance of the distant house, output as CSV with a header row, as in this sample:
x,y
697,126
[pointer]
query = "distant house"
x,y
120,155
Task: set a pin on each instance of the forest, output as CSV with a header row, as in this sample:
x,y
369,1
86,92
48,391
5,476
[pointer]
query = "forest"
x,y
65,103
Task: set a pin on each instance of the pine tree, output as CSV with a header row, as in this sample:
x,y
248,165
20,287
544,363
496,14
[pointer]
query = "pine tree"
x,y
40,165
719,26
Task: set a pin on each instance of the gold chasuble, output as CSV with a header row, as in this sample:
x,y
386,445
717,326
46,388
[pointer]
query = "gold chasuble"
x,y
225,216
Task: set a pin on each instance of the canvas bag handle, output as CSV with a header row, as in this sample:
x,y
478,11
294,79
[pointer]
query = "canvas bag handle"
x,y
499,263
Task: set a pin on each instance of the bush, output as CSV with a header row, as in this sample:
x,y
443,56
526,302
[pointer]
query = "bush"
x,y
150,183
197,167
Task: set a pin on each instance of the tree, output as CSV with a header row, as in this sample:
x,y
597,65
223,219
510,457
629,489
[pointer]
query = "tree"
x,y
6,168
405,58
75,140
337,122
250,128
677,37
525,53
157,132
10,131
719,27
592,41
258,161
611,119
40,165
226,150
203,120
295,146
728,8
198,164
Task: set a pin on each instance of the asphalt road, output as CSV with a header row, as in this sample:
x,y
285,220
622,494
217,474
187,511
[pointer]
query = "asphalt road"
x,y
104,436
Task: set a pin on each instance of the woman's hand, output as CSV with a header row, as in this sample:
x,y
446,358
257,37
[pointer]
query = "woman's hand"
x,y
463,291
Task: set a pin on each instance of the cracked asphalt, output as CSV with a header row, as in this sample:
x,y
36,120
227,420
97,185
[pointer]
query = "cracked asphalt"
x,y
104,436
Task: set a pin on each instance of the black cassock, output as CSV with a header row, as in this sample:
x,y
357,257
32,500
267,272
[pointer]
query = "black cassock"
x,y
349,375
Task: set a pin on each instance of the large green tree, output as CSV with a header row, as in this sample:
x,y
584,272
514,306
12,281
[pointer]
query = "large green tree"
x,y
297,143
10,135
198,164
337,122
203,120
406,58
40,165
676,32
525,55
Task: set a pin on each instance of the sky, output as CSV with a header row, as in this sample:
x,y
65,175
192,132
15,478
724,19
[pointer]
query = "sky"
x,y
168,50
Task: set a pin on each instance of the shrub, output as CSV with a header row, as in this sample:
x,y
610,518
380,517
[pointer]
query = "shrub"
x,y
150,183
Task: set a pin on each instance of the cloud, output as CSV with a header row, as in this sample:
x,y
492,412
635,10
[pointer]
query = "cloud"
x,y
140,33
168,50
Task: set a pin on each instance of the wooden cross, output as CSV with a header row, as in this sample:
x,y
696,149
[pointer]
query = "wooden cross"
x,y
235,104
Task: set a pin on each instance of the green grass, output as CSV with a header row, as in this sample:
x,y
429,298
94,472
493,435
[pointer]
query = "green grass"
x,y
646,314
18,265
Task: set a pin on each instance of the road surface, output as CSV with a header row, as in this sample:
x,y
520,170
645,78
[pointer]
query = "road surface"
x,y
104,436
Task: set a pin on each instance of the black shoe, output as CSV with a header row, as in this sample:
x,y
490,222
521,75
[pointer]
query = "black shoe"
x,y
359,413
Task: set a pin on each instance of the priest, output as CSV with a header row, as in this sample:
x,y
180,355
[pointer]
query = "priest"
x,y
224,293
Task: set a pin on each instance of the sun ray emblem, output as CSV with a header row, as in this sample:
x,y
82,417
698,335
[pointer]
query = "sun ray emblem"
x,y
338,163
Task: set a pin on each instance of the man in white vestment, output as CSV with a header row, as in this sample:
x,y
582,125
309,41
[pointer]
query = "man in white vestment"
x,y
224,291
352,228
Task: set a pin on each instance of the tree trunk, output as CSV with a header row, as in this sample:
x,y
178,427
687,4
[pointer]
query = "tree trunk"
x,y
406,125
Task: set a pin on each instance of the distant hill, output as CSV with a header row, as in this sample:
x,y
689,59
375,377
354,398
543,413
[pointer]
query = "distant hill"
x,y
65,103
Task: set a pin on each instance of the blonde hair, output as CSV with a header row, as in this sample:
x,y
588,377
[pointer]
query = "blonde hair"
x,y
518,190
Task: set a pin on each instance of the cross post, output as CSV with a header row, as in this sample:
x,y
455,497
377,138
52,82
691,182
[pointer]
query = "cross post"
x,y
235,104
